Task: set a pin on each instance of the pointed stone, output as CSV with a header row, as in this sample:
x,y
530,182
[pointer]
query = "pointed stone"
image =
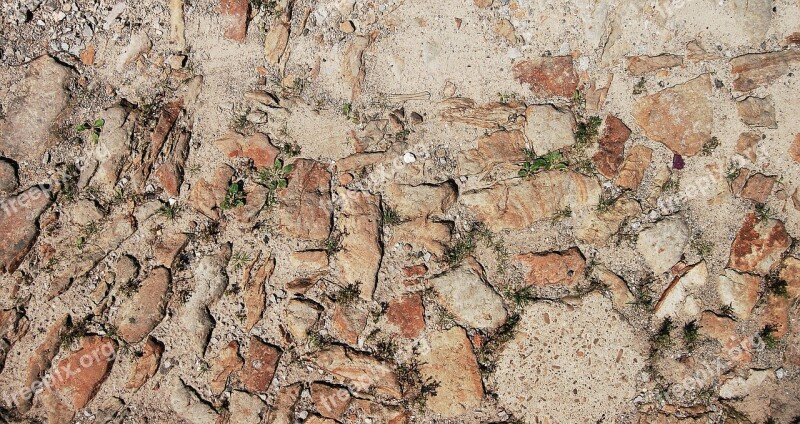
x,y
146,365
260,363
451,362
360,224
145,309
19,217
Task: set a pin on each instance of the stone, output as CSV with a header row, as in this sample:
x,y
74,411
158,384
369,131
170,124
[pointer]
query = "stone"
x,y
563,268
776,314
170,173
308,262
758,246
746,145
360,225
256,147
740,291
8,177
245,408
167,248
260,362
347,27
186,403
421,233
576,361
70,392
19,217
721,329
347,324
519,203
282,410
548,128
493,115
662,245
412,202
255,293
640,65
33,108
84,212
352,70
177,30
144,310
138,45
611,147
41,358
633,168
755,70
300,316
505,29
548,76
276,40
166,120
305,205
113,148
738,387
146,365
620,293
758,188
330,401
597,227
407,314
497,148
680,117
757,112
223,365
367,411
677,301
358,371
235,14
794,149
206,196
790,272
452,364
87,55
463,293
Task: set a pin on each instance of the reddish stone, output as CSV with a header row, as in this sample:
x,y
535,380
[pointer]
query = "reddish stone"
x,y
760,69
256,147
348,323
610,153
776,314
146,365
794,149
556,268
746,145
758,188
790,272
77,378
87,55
18,229
758,245
235,14
226,362
145,309
415,271
330,401
306,206
634,167
407,313
260,363
548,76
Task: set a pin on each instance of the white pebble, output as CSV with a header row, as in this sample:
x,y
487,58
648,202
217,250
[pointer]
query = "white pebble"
x,y
409,157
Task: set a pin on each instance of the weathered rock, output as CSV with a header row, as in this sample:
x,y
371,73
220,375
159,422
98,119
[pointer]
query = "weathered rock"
x,y
245,408
596,228
361,253
347,324
187,404
367,410
168,248
639,65
260,363
305,205
254,292
758,188
497,148
740,291
206,196
138,45
548,76
790,272
794,149
611,147
38,102
300,316
352,70
177,28
210,282
548,128
308,262
421,233
41,359
358,371
463,293
679,117
282,410
678,300
84,212
505,29
223,365
451,362
721,329
758,245
620,293
519,203
407,314
662,245
166,120
145,309
412,202
113,147
757,112
555,268
170,173
761,69
19,217
492,115
235,14
70,391
634,167
574,367
276,40
256,147
746,145
330,401
776,314
8,177
146,365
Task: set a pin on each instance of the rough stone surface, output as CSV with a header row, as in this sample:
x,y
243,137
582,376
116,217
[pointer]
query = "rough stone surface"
x,y
359,371
360,256
610,153
306,203
639,65
740,291
257,147
679,299
451,362
757,112
548,128
145,309
464,294
8,177
548,76
407,314
260,362
662,245
235,14
759,69
758,245
557,268
495,149
680,117
146,365
633,168
19,216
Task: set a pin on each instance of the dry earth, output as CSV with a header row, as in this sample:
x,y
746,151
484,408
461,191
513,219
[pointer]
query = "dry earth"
x,y
386,211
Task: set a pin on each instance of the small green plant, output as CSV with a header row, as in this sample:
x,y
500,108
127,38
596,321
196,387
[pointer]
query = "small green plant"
x,y
587,131
662,339
390,216
763,212
415,388
234,197
727,311
239,260
710,145
732,172
577,98
700,246
169,211
333,243
73,330
549,161
275,178
604,203
347,294
94,128
69,183
347,109
386,349
130,287
562,214
522,297
639,88
460,250
767,334
776,285
690,334
672,185
506,98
